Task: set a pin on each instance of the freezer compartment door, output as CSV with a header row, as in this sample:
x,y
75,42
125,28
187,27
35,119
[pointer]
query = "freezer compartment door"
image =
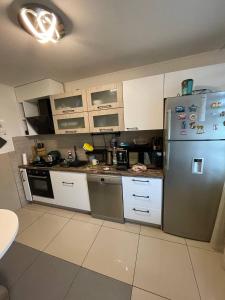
x,y
194,178
195,117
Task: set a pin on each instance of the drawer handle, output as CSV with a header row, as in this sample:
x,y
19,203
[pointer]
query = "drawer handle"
x,y
132,128
104,106
67,183
105,129
146,197
140,180
70,131
68,111
144,211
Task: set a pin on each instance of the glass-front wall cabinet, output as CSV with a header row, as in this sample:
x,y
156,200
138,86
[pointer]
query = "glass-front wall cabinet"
x,y
69,103
105,97
106,121
71,123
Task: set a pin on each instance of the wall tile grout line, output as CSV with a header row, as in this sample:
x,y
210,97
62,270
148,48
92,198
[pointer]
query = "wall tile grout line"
x,y
192,266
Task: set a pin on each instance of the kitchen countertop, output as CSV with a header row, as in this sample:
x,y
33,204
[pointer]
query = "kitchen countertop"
x,y
151,173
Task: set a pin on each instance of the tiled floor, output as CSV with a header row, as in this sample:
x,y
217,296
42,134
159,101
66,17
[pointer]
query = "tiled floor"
x,y
87,258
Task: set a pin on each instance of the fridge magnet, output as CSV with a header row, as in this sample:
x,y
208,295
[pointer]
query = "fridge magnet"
x,y
192,117
179,109
216,104
222,114
192,125
183,132
200,129
182,116
183,125
215,126
192,108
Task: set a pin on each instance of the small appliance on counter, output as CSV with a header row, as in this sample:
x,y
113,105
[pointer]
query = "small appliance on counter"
x,y
122,159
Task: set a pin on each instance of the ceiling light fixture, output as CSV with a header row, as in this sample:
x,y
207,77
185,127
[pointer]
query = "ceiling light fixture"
x,y
42,23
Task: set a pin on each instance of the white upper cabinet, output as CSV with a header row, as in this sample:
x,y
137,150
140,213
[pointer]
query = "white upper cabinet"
x,y
105,97
143,103
69,102
209,77
38,89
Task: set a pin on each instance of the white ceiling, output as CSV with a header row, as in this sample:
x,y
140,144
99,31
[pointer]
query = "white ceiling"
x,y
109,35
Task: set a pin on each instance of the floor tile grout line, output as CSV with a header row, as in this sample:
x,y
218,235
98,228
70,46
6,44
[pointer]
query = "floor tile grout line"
x,y
28,267
91,245
72,282
153,237
192,266
153,293
121,229
81,266
52,239
30,225
136,258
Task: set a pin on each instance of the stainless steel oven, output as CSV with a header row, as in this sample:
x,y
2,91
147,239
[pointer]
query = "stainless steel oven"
x,y
40,183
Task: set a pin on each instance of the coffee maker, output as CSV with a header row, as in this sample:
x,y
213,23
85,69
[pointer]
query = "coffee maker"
x,y
122,159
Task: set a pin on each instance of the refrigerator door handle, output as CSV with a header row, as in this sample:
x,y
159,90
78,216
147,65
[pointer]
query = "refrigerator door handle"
x,y
168,156
168,124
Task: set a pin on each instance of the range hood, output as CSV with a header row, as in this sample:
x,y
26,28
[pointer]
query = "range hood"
x,y
38,114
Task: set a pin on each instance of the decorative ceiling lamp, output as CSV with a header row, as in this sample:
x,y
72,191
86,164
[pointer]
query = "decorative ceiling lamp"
x,y
42,23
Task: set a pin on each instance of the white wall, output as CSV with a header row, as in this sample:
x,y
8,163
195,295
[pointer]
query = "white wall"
x,y
9,114
202,59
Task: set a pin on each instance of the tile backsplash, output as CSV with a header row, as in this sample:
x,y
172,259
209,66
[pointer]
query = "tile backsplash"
x,y
64,143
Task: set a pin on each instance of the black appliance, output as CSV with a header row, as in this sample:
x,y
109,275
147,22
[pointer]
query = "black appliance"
x,y
40,183
122,159
43,122
2,142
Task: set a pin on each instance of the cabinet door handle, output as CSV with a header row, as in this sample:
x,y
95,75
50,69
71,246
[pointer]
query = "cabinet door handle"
x,y
146,197
137,180
132,128
105,129
37,177
104,106
67,183
70,131
68,111
144,211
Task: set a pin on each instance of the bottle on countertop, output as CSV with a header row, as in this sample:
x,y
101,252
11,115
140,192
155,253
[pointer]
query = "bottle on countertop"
x,y
114,156
69,156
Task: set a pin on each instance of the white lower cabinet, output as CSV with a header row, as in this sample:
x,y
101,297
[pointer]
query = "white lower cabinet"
x,y
70,190
142,199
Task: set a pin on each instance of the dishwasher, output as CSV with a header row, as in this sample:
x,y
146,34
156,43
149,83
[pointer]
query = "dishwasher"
x,y
106,197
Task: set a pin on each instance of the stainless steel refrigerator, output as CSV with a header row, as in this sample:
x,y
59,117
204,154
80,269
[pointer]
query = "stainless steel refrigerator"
x,y
194,164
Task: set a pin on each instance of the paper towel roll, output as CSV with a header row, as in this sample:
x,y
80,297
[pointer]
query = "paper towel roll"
x,y
24,158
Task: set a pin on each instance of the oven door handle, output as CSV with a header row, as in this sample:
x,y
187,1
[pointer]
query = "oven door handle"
x,y
37,177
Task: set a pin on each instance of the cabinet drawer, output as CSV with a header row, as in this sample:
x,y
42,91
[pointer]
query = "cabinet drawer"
x,y
143,214
143,189
144,200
